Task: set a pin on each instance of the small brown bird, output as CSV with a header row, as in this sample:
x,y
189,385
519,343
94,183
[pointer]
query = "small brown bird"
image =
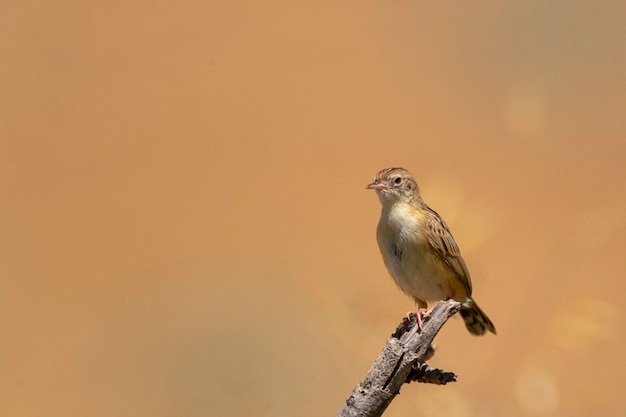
x,y
419,250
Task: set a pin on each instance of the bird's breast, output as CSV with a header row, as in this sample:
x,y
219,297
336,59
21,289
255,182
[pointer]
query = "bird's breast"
x,y
402,223
400,237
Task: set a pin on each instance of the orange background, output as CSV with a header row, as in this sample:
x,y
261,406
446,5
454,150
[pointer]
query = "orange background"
x,y
184,229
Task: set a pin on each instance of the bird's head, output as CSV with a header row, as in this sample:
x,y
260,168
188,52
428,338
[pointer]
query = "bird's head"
x,y
395,185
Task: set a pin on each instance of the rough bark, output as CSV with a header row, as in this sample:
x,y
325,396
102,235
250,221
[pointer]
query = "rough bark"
x,y
401,361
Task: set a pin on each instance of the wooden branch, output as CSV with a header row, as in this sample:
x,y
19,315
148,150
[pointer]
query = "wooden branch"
x,y
424,373
401,361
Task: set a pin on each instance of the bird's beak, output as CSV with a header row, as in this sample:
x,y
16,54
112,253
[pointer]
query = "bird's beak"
x,y
376,186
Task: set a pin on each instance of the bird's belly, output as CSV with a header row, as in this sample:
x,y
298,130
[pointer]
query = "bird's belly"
x,y
421,275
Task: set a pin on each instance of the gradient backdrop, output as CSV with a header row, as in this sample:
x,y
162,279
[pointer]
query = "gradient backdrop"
x,y
184,229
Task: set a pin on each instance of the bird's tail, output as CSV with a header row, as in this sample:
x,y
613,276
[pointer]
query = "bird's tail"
x,y
475,319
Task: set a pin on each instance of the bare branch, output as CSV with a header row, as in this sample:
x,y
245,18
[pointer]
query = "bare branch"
x,y
401,361
421,372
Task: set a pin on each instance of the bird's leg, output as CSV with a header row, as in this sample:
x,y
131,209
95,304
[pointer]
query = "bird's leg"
x,y
422,313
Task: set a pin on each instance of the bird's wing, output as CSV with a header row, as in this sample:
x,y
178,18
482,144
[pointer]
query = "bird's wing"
x,y
442,241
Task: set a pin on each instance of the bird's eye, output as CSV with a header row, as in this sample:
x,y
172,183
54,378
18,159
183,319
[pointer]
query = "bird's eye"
x,y
398,180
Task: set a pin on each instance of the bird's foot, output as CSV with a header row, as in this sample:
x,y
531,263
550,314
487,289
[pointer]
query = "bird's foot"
x,y
419,316
422,313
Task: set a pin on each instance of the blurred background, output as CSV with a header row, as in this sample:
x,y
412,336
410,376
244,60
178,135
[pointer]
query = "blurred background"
x,y
184,229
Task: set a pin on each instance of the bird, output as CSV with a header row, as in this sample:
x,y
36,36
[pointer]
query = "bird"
x,y
419,251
